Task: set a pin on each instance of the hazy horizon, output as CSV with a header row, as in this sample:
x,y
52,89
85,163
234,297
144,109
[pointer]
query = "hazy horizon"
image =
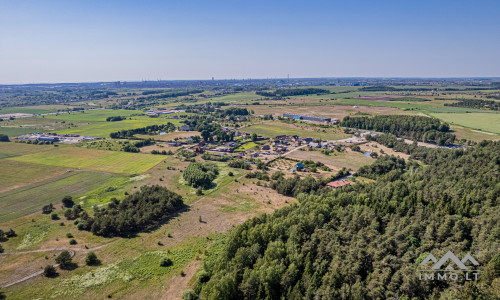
x,y
93,41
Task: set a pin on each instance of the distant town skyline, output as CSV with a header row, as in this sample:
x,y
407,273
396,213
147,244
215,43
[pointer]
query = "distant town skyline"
x,y
96,41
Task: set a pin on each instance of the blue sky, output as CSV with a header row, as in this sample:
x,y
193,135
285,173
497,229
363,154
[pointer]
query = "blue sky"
x,y
71,41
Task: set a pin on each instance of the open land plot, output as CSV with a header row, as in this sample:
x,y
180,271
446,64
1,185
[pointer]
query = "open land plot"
x,y
327,110
273,129
34,124
348,159
15,174
30,198
169,136
97,115
16,149
32,109
245,147
96,160
16,131
103,129
489,122
472,134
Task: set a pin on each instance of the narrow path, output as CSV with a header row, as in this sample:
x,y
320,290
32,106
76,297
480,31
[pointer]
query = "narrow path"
x,y
71,251
294,150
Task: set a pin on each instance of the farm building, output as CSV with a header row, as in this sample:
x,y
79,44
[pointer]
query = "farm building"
x,y
299,166
338,184
186,127
306,117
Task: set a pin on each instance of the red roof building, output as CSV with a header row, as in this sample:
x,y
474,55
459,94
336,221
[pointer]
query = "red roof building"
x,y
337,184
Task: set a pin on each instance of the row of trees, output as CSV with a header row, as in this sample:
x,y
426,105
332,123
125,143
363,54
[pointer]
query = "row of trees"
x,y
4,138
476,103
367,241
411,127
292,92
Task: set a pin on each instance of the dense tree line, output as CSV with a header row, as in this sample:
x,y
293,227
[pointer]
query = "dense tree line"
x,y
152,129
292,92
475,103
115,118
366,241
200,174
136,212
240,164
411,127
235,111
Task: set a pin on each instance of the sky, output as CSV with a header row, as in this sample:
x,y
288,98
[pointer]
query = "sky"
x,y
89,41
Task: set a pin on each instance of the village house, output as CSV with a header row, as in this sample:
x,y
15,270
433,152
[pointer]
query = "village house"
x,y
186,127
338,184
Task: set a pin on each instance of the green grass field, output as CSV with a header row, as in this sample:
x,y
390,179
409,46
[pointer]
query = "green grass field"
x,y
98,115
489,122
245,147
31,198
16,149
26,110
16,131
96,160
103,129
272,130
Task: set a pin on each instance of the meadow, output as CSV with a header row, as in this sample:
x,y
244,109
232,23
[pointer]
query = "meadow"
x,y
274,129
31,198
245,147
16,173
95,160
103,129
97,115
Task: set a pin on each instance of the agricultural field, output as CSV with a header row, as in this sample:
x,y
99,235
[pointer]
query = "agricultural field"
x,y
487,122
16,149
274,129
16,174
16,131
97,115
245,147
95,160
30,198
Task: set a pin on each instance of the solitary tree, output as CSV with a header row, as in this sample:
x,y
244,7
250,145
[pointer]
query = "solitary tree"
x,y
49,271
92,260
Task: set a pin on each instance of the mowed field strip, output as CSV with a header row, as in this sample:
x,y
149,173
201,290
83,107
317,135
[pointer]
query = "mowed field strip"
x,y
95,160
31,198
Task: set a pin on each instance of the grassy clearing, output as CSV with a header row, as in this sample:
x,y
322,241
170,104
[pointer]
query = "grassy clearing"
x,y
349,159
489,122
274,129
31,198
96,160
26,110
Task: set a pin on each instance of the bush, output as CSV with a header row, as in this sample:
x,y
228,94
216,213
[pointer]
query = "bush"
x,y
189,295
69,235
64,260
67,201
54,216
200,174
166,262
49,271
203,276
92,260
72,242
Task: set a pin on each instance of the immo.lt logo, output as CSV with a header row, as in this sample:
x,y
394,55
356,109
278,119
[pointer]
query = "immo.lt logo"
x,y
443,269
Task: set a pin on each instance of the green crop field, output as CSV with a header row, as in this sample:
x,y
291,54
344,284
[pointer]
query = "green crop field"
x,y
28,199
26,110
489,122
272,130
103,129
96,160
